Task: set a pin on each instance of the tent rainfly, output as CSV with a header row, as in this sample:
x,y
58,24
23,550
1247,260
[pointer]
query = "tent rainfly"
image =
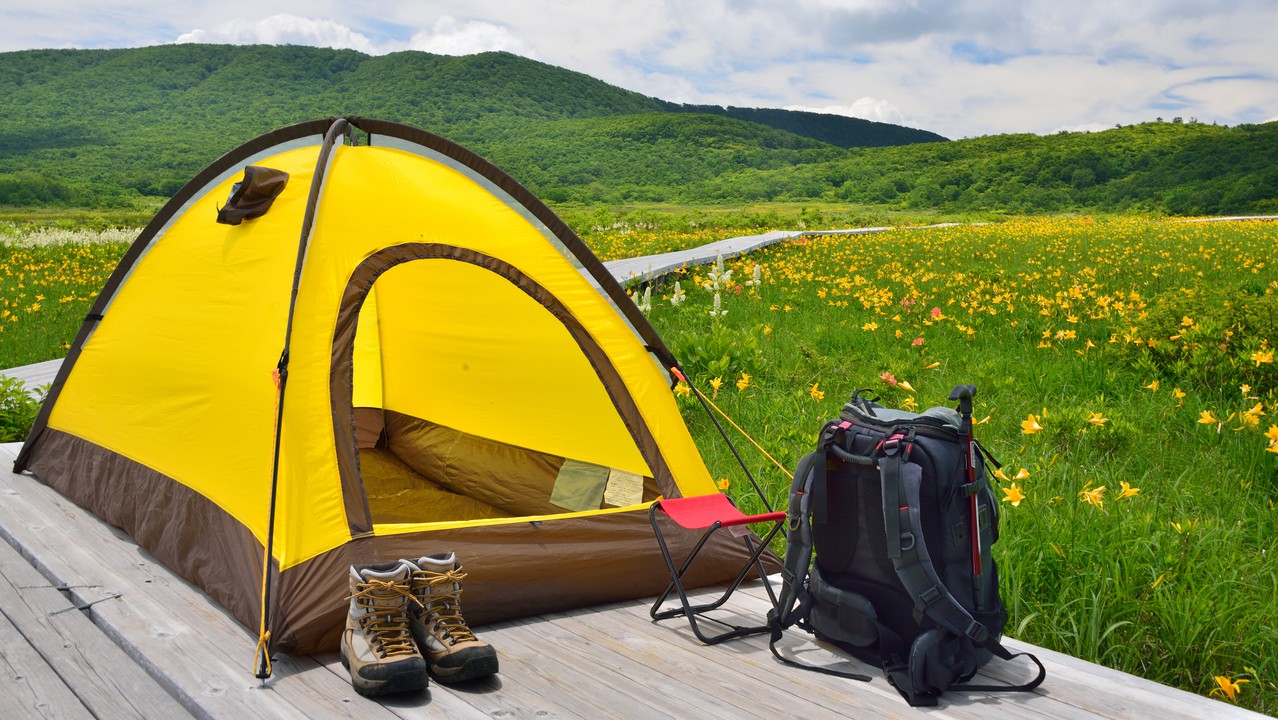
x,y
350,341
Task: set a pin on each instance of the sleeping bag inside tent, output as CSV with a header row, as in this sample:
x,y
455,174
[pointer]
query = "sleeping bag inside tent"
x,y
351,341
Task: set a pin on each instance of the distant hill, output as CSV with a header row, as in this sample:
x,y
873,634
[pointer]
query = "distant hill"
x,y
838,130
106,128
92,121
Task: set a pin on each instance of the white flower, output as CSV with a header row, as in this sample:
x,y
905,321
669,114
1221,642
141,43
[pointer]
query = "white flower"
x,y
718,310
679,295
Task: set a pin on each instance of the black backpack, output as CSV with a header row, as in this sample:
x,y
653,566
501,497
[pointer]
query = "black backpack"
x,y
888,502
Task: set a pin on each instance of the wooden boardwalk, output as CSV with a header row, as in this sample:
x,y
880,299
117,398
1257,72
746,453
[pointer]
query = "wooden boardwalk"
x,y
92,626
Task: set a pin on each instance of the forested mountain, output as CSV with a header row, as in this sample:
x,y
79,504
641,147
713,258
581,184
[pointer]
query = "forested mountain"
x,y
1172,167
107,127
845,132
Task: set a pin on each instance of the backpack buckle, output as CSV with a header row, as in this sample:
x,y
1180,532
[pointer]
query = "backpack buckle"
x,y
976,632
930,596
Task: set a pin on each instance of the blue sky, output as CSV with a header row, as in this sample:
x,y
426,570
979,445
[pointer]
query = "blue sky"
x,y
962,68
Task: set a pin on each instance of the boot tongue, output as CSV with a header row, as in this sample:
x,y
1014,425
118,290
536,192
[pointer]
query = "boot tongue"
x,y
390,572
440,563
398,573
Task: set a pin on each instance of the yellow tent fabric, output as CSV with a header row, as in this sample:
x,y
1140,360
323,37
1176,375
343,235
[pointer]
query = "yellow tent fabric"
x,y
425,317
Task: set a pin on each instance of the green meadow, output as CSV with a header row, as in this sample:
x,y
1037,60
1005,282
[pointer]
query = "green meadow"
x,y
1125,374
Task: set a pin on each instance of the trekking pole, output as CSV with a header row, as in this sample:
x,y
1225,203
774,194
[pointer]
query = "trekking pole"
x,y
964,395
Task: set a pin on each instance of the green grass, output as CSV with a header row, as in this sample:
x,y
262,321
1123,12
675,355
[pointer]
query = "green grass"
x,y
1055,318
48,279
1145,324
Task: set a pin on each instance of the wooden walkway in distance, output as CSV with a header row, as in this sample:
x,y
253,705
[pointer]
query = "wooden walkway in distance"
x,y
92,626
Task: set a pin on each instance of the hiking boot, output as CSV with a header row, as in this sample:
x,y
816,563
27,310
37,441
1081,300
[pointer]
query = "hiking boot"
x,y
453,652
377,646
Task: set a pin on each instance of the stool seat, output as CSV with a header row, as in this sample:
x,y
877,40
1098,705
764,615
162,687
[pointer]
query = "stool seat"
x,y
701,511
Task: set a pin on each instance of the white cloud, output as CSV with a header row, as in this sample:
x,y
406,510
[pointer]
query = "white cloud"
x,y
1084,128
282,29
864,108
450,36
961,68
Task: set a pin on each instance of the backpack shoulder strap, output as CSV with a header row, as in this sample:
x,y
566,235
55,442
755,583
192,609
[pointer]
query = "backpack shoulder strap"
x,y
908,550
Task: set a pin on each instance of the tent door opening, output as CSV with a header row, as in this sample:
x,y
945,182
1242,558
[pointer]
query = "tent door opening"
x,y
472,393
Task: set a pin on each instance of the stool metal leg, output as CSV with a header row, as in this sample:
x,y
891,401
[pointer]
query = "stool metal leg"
x,y
691,611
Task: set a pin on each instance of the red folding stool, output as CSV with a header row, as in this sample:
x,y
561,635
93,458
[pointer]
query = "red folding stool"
x,y
709,513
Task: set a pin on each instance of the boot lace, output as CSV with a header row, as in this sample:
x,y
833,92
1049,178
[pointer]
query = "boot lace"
x,y
443,607
388,625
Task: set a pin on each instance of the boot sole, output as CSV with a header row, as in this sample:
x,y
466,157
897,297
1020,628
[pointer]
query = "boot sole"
x,y
475,668
406,681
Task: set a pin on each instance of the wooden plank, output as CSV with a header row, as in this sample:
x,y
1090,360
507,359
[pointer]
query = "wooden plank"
x,y
654,266
35,375
1123,694
1077,688
439,701
29,686
749,665
104,679
193,648
612,681
663,672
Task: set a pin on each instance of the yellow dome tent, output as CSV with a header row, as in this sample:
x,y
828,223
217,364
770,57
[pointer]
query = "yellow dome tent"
x,y
350,341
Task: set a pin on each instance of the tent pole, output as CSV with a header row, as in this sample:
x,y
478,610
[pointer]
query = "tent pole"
x,y
262,661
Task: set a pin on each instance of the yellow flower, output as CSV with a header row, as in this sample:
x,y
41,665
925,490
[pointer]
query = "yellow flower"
x,y
1245,388
1256,411
1030,426
767,329
1226,687
1178,393
1206,417
1013,494
933,365
1272,434
743,382
1127,490
1022,474
1153,385
1263,356
716,383
683,389
1097,419
998,473
724,483
815,393
870,326
905,386
1095,496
